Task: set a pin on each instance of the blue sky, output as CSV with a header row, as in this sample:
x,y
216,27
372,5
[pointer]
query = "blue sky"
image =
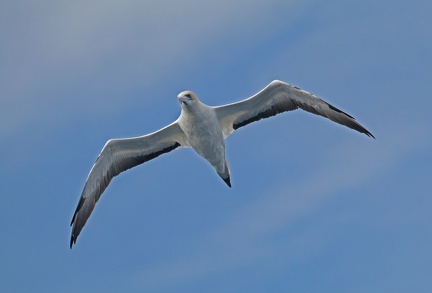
x,y
314,207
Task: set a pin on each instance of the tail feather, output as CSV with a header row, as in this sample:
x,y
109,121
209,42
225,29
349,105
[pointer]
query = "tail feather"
x,y
225,175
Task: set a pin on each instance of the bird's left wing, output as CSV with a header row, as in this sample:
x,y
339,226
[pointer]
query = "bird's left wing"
x,y
276,98
117,156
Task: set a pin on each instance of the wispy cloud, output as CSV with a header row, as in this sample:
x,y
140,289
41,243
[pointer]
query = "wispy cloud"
x,y
247,237
75,53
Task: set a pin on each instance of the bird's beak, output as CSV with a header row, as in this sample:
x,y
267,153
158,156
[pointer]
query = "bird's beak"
x,y
182,100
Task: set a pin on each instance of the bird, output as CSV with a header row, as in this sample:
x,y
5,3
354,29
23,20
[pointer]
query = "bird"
x,y
203,128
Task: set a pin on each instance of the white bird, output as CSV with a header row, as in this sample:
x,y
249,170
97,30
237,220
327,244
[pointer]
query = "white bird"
x,y
203,128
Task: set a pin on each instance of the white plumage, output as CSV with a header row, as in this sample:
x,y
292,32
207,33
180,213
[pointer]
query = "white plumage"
x,y
203,128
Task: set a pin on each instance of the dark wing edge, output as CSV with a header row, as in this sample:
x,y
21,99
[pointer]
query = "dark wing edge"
x,y
276,98
119,155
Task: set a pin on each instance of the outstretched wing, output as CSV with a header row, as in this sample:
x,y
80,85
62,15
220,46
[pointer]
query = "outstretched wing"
x,y
279,97
117,156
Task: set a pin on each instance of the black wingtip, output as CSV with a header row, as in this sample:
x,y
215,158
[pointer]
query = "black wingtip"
x,y
79,205
72,240
365,131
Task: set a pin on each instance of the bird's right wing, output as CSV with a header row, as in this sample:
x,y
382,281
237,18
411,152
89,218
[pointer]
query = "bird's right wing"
x,y
117,156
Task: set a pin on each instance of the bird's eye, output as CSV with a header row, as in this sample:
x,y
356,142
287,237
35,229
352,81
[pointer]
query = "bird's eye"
x,y
188,96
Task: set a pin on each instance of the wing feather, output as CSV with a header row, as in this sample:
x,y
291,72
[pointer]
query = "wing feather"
x,y
119,155
276,98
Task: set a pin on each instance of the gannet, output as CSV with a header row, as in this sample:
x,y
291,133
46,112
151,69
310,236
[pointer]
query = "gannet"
x,y
202,127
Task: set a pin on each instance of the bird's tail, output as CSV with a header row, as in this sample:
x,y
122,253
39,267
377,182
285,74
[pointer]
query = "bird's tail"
x,y
225,175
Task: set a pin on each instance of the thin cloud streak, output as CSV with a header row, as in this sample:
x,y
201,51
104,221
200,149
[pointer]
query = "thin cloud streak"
x,y
352,164
67,46
75,74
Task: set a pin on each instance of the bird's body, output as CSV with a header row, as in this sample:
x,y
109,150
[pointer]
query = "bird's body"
x,y
203,128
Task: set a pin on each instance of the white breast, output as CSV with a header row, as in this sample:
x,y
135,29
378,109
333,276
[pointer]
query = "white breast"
x,y
204,133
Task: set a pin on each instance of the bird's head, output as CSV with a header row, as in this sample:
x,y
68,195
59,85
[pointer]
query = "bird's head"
x,y
187,99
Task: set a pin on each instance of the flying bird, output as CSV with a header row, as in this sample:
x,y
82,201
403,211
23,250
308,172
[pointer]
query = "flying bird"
x,y
202,127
